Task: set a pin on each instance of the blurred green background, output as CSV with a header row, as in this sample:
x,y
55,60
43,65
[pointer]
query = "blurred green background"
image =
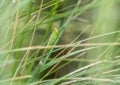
x,y
59,42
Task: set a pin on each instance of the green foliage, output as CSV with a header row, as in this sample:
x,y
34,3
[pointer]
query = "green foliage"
x,y
59,42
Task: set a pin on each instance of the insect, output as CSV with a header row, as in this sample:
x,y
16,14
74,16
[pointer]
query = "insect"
x,y
53,37
51,41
